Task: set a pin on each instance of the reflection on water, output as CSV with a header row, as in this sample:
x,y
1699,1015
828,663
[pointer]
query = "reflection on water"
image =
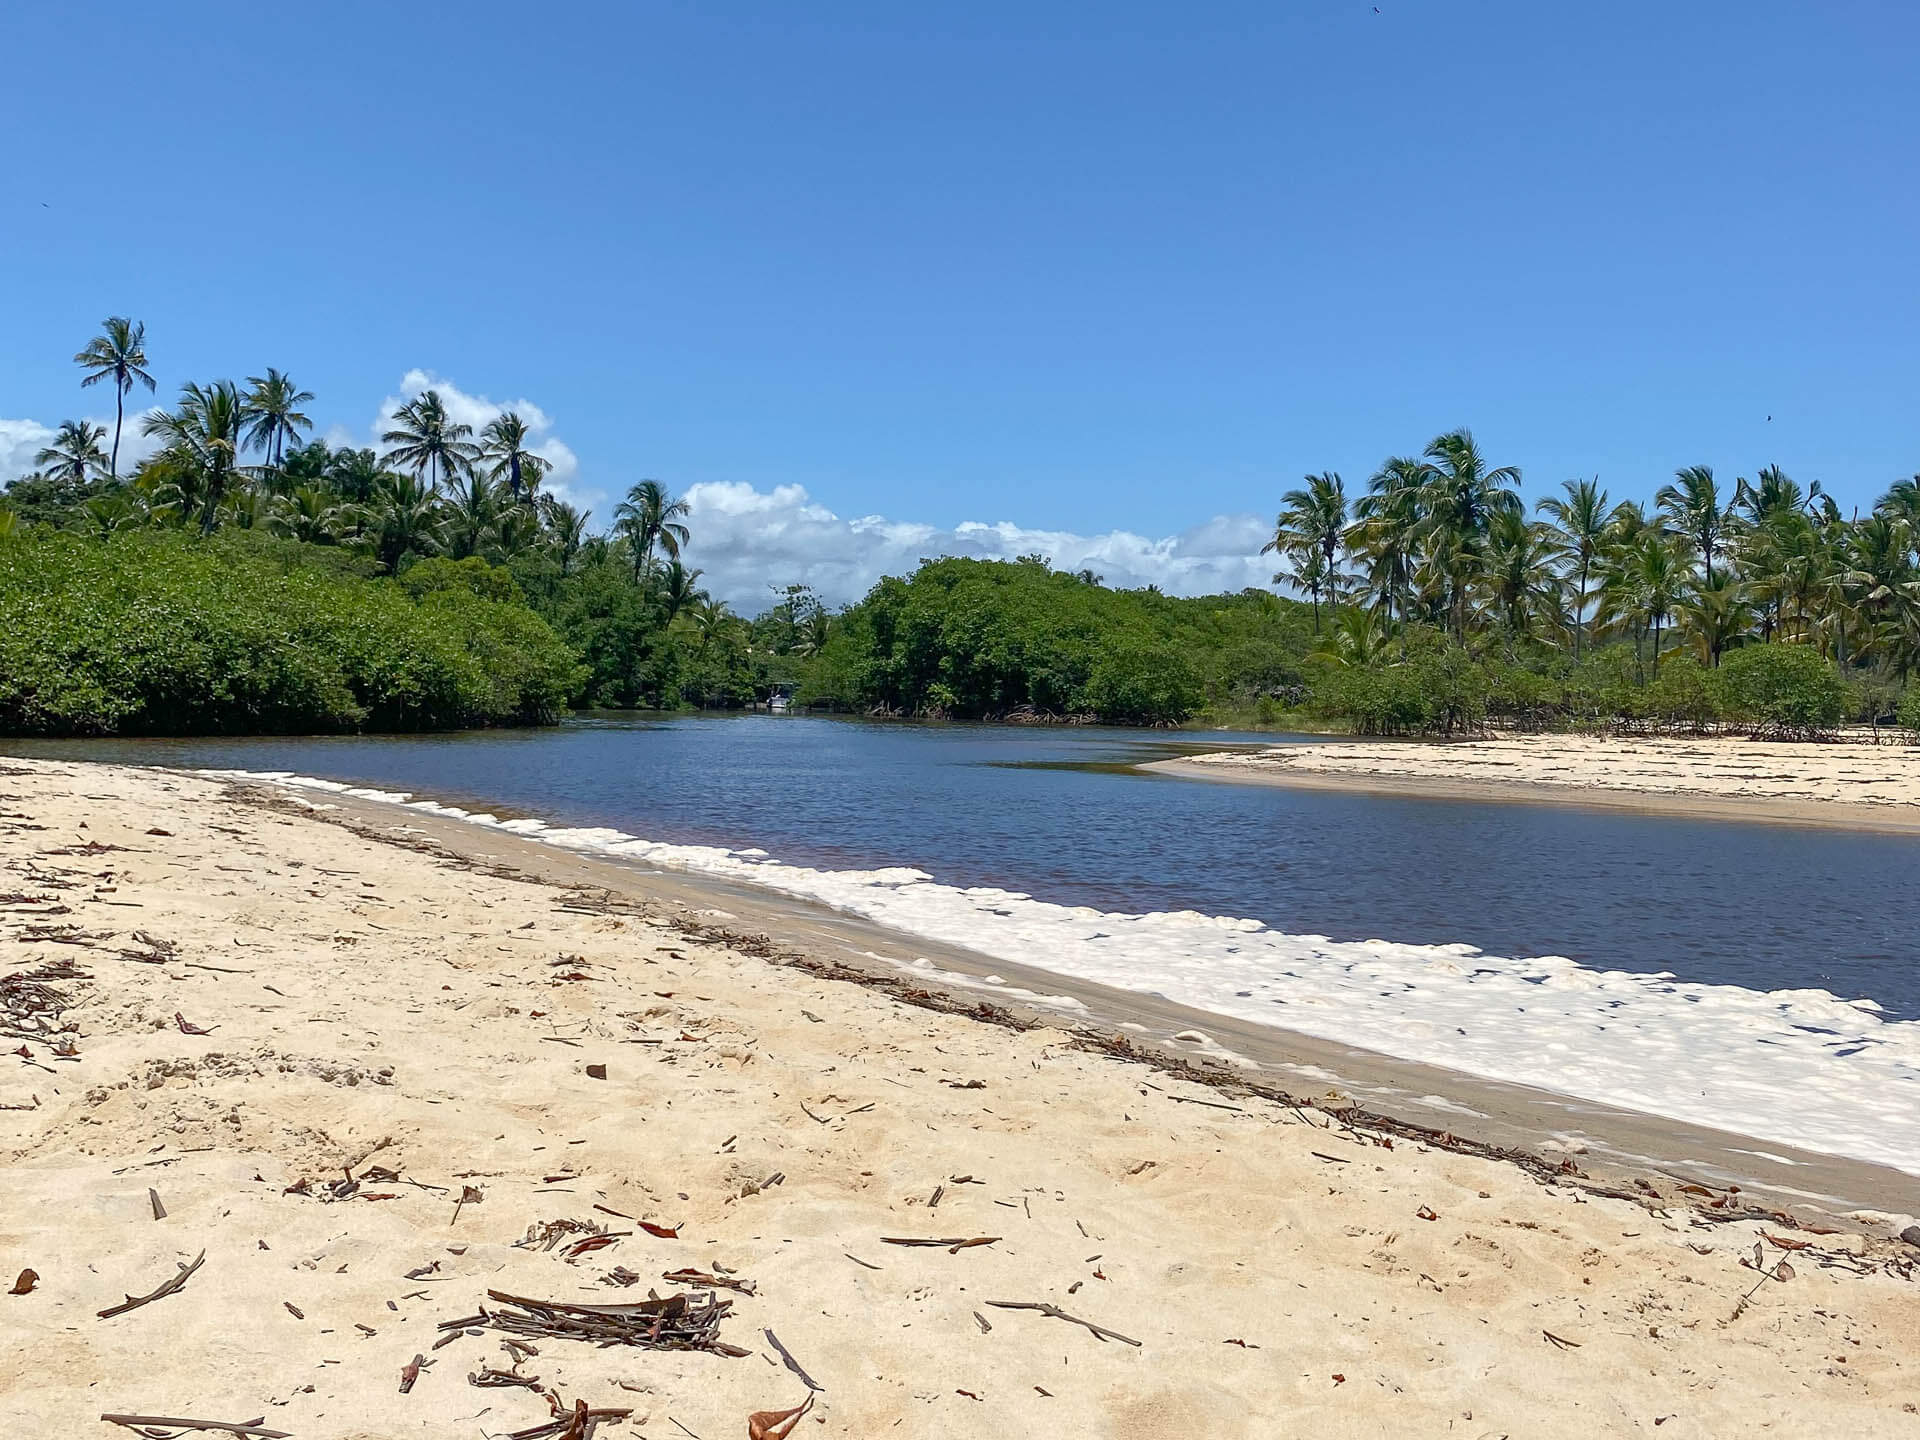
x,y
1060,814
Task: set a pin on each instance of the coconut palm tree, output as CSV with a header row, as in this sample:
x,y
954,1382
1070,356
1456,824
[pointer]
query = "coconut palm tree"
x,y
714,623
1386,533
679,588
567,528
75,454
1314,516
471,516
427,441
403,518
203,432
311,515
1692,507
274,416
650,517
118,352
356,474
1649,584
1309,573
1357,637
1520,579
503,448
1460,494
1580,528
1715,616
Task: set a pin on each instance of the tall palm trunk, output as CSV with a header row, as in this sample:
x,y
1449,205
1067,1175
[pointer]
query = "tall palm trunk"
x,y
119,413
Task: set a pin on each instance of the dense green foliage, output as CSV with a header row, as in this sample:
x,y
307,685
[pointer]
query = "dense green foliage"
x,y
159,633
988,639
245,578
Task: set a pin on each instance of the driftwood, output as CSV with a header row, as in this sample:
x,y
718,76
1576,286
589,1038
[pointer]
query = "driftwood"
x,y
1100,1331
690,1276
953,1245
157,1427
177,1283
791,1363
575,1422
677,1322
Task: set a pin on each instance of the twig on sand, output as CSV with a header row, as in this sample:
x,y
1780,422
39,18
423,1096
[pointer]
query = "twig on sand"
x,y
176,1283
953,1245
153,1425
677,1322
791,1363
1100,1331
410,1372
1560,1341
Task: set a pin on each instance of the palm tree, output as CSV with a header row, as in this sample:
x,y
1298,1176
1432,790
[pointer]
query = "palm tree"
x,y
1460,494
1520,577
1649,583
356,474
567,528
1580,526
650,517
119,351
403,518
426,441
1386,532
75,452
1355,638
311,515
1308,573
1692,506
679,588
504,444
1715,616
203,432
273,413
713,622
472,516
1314,517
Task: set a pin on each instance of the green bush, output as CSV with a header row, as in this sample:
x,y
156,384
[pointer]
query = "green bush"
x,y
1909,711
1781,690
1682,695
157,632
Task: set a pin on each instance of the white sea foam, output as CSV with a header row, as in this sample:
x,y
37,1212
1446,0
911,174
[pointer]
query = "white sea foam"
x,y
1798,1067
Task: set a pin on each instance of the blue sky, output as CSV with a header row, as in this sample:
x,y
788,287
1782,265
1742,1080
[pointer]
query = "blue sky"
x,y
1081,270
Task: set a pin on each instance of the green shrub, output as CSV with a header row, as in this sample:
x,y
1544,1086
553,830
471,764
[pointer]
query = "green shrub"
x,y
1909,711
1682,695
1781,690
157,632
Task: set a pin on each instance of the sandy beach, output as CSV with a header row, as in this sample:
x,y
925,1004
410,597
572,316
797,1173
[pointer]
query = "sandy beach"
x,y
351,1073
1855,785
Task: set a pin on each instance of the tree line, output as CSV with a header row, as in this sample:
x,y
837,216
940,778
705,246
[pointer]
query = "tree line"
x,y
240,457
1433,599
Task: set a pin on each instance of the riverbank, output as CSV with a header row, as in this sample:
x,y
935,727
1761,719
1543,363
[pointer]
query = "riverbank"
x,y
404,1004
1850,786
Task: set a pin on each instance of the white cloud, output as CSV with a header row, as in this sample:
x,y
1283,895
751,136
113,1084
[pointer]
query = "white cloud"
x,y
746,539
21,440
563,480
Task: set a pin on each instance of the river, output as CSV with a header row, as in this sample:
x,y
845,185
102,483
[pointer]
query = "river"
x,y
1699,968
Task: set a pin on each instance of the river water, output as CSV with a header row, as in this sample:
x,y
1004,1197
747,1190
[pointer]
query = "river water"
x,y
1758,977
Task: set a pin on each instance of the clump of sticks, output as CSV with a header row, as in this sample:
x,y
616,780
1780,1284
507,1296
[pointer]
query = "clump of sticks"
x,y
675,1322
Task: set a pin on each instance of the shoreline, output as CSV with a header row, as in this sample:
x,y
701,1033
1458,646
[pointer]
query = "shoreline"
x,y
1614,1142
347,1073
1426,770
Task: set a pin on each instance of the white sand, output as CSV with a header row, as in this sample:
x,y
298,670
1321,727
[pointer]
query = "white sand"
x,y
1779,774
371,1005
